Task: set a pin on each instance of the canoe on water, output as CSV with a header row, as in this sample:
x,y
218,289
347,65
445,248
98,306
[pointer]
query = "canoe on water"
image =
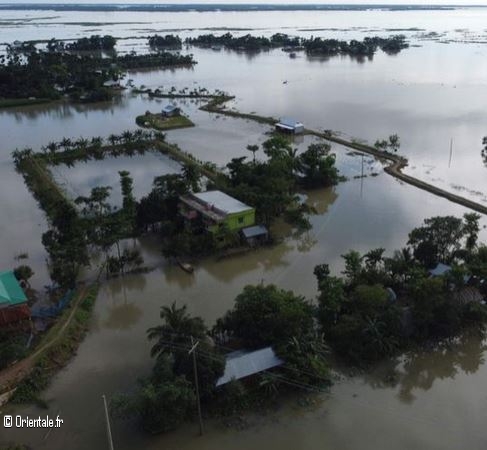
x,y
186,266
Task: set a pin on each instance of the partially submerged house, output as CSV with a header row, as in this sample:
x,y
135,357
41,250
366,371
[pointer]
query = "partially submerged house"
x,y
170,111
215,209
13,301
241,364
287,125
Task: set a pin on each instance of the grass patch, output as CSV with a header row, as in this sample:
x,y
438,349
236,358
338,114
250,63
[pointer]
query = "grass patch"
x,y
161,123
12,102
57,355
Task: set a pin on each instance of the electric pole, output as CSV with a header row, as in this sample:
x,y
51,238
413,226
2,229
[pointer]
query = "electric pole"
x,y
195,369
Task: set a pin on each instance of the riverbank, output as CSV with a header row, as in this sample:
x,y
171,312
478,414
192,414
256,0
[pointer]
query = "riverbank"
x,y
23,381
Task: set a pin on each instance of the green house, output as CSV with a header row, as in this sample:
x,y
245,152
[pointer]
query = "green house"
x,y
11,294
216,209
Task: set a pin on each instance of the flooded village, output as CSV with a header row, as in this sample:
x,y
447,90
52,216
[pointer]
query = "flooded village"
x,y
234,228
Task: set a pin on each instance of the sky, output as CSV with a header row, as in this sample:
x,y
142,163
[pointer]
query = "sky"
x,y
369,2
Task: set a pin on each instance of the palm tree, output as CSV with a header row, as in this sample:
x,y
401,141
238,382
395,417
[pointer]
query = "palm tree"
x,y
176,331
253,149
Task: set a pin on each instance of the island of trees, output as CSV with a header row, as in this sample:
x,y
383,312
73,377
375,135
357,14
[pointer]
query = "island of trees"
x,y
78,70
313,46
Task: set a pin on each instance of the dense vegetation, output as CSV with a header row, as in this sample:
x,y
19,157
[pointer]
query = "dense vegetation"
x,y
383,304
169,41
284,321
37,74
313,46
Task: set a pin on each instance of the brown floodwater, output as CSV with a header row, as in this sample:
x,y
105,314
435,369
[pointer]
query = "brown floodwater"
x,y
429,95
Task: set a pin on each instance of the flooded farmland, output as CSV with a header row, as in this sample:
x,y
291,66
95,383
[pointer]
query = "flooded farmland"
x,y
432,95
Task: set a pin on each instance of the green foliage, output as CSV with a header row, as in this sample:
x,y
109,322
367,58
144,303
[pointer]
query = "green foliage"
x,y
23,272
318,167
266,315
159,407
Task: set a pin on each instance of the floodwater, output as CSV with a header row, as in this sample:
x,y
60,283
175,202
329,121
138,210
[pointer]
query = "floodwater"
x,y
429,95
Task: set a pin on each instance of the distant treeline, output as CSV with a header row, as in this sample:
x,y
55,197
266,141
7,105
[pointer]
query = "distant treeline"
x,y
222,7
27,72
312,46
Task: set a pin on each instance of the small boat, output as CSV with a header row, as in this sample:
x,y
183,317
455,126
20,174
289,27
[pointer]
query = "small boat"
x,y
292,55
186,266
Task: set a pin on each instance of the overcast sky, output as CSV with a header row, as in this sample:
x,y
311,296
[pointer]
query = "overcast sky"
x,y
383,2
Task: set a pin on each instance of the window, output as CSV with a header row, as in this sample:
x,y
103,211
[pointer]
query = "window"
x,y
240,220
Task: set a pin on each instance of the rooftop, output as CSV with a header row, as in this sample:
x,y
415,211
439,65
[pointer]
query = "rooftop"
x,y
11,294
241,364
169,108
222,201
289,123
254,231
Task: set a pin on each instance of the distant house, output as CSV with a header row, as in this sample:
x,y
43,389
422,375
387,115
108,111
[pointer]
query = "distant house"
x,y
292,126
241,364
170,111
112,84
215,209
13,302
442,270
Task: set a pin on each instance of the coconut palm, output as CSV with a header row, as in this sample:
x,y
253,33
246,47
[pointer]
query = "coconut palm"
x,y
176,332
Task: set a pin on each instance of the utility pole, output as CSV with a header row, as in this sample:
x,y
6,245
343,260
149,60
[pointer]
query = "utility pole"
x,y
107,419
362,177
451,151
195,369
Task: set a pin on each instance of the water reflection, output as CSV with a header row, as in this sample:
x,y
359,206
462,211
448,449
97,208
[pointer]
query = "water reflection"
x,y
419,370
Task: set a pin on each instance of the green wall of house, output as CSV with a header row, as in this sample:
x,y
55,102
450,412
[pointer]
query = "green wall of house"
x,y
236,221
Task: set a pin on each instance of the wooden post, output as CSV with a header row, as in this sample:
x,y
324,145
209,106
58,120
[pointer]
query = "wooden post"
x,y
195,369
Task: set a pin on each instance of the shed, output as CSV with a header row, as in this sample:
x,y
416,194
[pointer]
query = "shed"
x,y
288,125
241,364
170,111
255,234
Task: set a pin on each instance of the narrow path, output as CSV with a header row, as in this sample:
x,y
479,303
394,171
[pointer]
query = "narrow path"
x,y
12,375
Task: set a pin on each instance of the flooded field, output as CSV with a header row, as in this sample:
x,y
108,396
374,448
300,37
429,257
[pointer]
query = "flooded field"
x,y
431,94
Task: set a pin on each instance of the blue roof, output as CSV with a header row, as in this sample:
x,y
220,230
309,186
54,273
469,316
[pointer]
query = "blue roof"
x,y
11,294
169,108
439,270
288,122
256,230
241,364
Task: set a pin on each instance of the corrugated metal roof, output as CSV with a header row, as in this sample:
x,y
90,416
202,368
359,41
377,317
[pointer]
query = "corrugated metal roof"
x,y
440,269
169,108
242,364
11,294
290,123
256,230
222,201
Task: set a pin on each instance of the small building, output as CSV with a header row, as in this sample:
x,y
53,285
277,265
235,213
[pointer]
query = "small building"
x,y
170,111
112,84
216,209
287,125
255,235
241,364
442,270
13,301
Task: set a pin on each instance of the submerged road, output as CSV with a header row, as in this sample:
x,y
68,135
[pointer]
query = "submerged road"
x,y
397,163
